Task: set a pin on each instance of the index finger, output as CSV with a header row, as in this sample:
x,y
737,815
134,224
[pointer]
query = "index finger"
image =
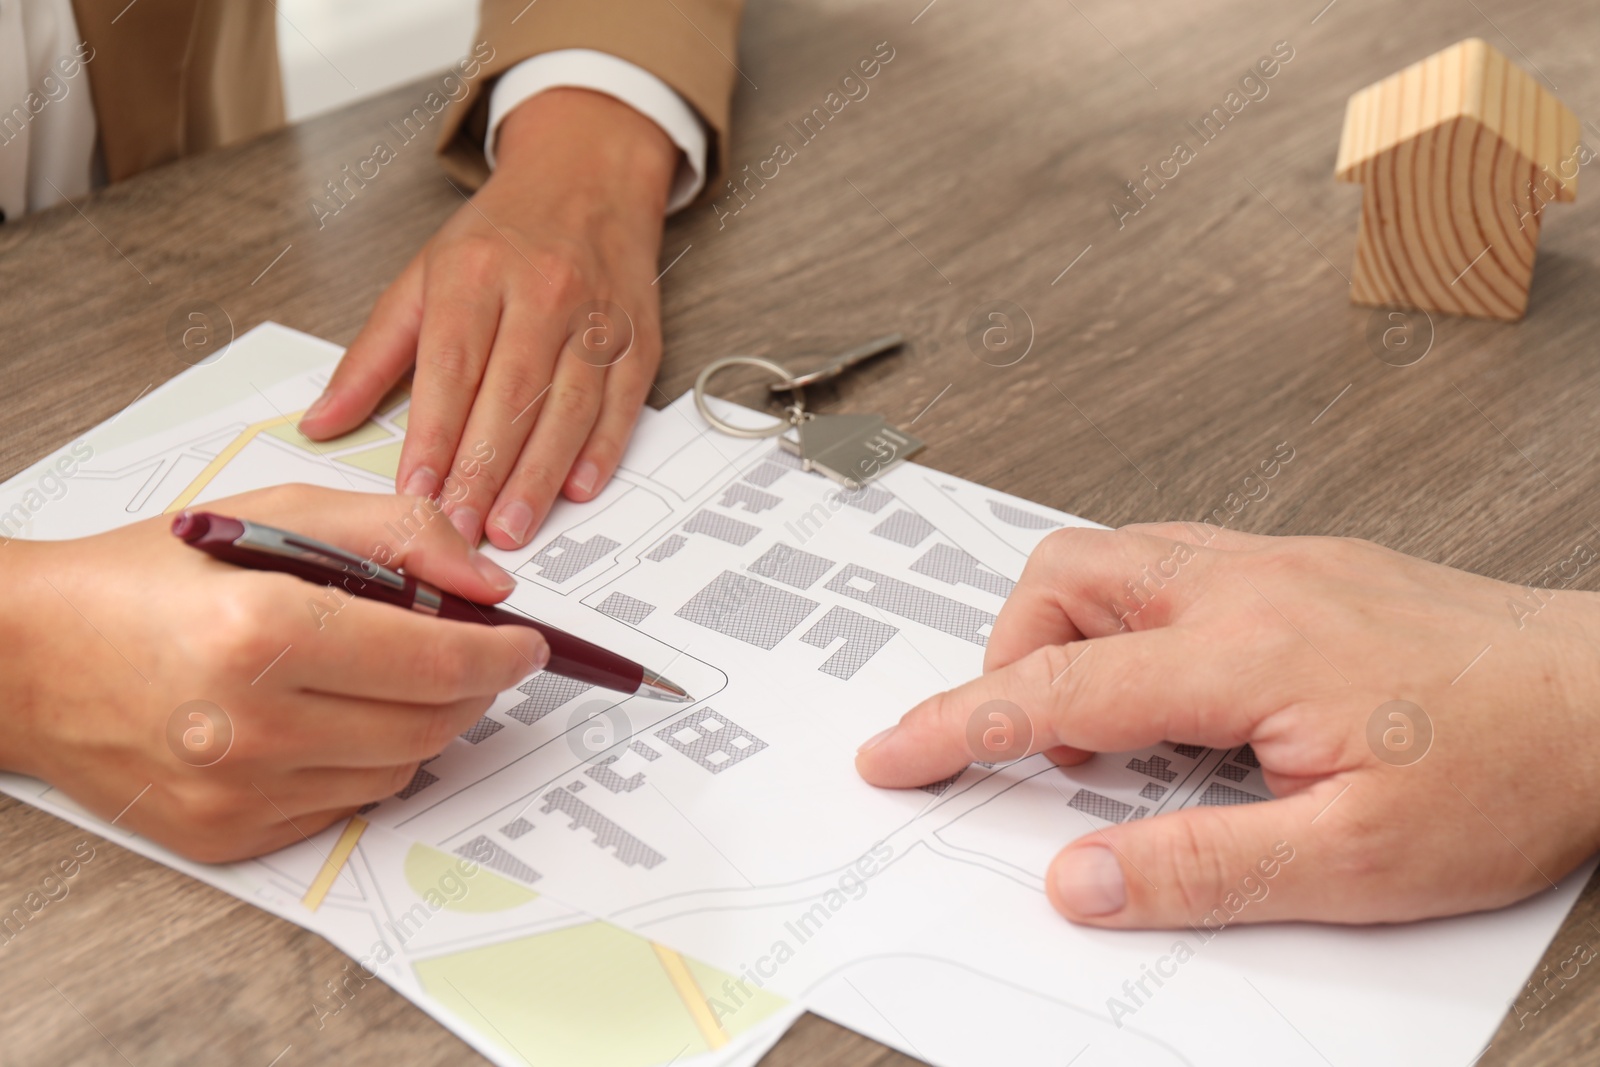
x,y
1108,694
381,652
343,645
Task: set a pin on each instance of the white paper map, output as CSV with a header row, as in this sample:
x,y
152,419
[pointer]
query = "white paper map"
x,y
517,975
735,830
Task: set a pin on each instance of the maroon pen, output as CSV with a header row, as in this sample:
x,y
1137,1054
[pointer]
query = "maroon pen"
x,y
263,548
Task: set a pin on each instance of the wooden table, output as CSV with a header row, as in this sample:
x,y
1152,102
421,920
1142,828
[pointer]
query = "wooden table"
x,y
1169,356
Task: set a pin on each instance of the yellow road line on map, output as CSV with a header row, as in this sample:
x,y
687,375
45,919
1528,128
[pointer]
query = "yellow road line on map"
x,y
334,863
693,999
225,457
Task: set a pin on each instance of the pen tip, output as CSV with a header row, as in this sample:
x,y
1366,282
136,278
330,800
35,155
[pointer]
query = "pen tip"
x,y
662,688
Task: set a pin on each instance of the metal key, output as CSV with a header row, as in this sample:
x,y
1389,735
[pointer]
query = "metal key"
x,y
850,449
841,363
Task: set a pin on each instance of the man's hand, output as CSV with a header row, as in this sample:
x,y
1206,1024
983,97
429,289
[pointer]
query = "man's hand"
x,y
225,712
531,317
1295,645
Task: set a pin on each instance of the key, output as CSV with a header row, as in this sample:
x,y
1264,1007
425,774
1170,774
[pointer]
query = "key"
x,y
850,449
841,363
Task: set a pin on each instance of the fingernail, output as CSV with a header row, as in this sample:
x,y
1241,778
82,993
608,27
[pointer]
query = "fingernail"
x,y
585,476
872,742
317,407
541,658
515,519
491,572
465,520
423,482
1089,881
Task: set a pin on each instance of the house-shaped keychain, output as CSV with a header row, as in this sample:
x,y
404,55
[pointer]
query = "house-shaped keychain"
x,y
1459,154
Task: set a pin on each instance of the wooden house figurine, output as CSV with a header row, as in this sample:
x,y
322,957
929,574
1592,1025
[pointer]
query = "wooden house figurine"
x,y
1459,155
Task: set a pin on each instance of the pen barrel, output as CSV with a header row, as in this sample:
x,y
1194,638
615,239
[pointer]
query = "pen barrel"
x,y
220,537
570,656
260,547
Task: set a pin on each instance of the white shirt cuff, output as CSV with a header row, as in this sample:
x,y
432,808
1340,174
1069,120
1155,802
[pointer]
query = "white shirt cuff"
x,y
584,68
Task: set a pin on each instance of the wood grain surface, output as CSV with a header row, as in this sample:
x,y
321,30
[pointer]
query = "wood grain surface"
x,y
1174,342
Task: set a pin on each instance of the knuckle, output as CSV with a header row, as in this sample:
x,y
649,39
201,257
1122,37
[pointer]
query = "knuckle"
x,y
476,258
205,805
535,483
566,279
235,638
478,472
428,440
1046,665
1063,542
572,401
1348,554
1368,844
1194,860
521,382
1060,548
1048,672
455,363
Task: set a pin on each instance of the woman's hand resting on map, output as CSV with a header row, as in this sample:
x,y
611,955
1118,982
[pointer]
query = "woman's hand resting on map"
x,y
1432,736
532,318
225,712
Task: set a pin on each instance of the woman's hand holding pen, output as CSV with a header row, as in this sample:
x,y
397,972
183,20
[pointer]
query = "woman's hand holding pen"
x,y
226,712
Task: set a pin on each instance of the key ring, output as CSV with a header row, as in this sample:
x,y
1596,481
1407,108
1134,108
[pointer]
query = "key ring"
x,y
797,410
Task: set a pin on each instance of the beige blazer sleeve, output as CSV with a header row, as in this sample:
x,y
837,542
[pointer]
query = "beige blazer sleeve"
x,y
171,78
689,44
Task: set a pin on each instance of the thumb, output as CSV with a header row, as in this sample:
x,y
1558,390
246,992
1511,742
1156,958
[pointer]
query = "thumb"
x,y
1205,868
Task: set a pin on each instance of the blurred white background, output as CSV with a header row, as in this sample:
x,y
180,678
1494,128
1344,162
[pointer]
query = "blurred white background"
x,y
337,51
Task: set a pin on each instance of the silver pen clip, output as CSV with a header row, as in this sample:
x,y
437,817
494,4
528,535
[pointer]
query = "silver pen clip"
x,y
278,542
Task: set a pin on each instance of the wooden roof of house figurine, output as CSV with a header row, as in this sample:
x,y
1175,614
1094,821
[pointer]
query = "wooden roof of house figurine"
x,y
1459,155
